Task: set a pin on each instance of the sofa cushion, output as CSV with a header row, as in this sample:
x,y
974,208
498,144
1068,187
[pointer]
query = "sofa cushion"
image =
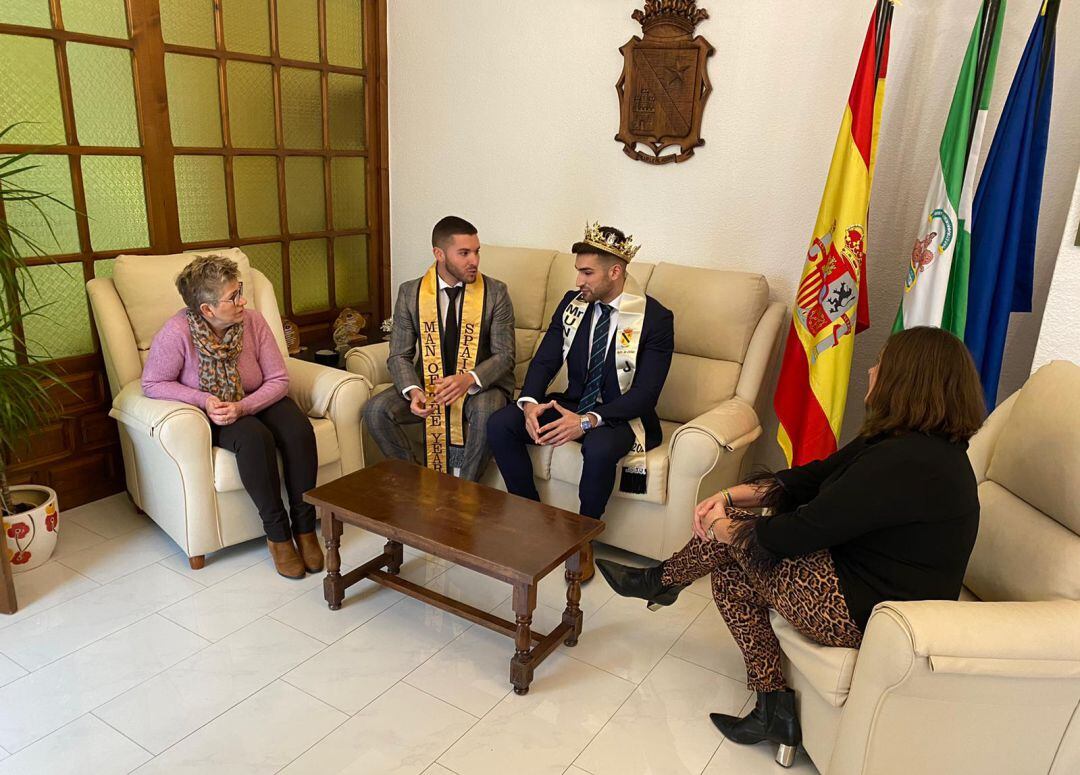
x,y
828,669
1037,455
525,272
147,287
1020,553
526,341
566,464
695,385
227,477
716,312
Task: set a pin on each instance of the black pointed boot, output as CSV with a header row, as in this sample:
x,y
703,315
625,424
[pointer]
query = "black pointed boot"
x,y
773,719
640,582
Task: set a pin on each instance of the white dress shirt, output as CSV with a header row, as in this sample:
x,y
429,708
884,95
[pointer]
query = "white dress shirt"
x,y
613,327
444,305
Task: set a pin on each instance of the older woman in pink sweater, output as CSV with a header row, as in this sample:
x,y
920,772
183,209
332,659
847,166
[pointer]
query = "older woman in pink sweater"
x,y
222,358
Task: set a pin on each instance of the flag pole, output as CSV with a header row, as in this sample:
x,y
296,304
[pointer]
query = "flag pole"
x,y
990,11
1050,10
884,19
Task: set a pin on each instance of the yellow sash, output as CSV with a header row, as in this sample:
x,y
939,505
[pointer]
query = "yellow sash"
x,y
445,454
627,339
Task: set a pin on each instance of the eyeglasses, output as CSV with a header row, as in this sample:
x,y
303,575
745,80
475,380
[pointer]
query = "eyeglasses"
x,y
235,296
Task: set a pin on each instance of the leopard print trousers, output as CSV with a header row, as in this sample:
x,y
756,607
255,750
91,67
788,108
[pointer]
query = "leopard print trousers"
x,y
804,590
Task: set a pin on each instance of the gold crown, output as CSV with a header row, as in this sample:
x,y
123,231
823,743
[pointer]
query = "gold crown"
x,y
610,243
682,13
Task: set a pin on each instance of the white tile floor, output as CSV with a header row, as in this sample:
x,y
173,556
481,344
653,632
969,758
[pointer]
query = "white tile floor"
x,y
123,659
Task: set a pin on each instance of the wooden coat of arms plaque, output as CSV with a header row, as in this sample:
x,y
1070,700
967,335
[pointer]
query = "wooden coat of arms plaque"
x,y
664,83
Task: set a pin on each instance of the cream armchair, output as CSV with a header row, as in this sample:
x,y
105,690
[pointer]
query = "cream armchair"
x,y
725,336
189,488
990,683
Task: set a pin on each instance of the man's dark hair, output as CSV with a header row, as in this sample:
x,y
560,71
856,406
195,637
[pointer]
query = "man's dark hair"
x,y
448,228
606,256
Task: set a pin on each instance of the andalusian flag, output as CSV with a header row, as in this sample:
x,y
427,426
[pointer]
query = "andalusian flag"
x,y
831,302
1006,205
936,286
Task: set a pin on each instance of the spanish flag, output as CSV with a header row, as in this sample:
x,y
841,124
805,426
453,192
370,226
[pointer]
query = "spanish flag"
x,y
831,303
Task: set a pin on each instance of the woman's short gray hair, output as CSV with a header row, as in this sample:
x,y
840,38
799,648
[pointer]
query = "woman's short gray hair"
x,y
202,281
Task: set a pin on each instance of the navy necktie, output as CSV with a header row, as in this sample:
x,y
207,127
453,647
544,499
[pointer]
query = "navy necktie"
x,y
594,379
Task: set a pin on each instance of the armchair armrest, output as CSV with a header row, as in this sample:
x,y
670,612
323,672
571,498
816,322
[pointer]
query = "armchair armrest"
x,y
314,386
729,426
1018,639
936,679
325,392
370,362
133,408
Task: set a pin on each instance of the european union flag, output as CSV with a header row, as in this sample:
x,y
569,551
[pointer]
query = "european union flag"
x,y
1005,212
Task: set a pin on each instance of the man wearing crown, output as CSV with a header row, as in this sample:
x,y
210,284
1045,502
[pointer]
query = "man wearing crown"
x,y
617,344
451,358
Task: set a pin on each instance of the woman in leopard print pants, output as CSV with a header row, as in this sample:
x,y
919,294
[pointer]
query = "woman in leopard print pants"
x,y
891,516
804,590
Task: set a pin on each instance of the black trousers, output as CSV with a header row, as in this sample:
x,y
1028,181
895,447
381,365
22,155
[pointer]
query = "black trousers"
x,y
602,448
256,439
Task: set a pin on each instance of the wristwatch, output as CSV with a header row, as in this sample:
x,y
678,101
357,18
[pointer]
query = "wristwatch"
x,y
586,423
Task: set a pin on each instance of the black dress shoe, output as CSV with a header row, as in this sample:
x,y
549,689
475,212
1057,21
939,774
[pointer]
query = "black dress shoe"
x,y
772,719
644,583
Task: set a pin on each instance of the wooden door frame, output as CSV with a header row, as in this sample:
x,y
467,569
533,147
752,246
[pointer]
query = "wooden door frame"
x,y
382,157
86,418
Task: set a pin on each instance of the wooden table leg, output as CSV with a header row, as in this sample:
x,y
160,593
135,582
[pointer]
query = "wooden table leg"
x,y
521,668
333,587
572,614
393,551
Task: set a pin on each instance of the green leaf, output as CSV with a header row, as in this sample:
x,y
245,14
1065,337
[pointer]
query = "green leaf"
x,y
25,399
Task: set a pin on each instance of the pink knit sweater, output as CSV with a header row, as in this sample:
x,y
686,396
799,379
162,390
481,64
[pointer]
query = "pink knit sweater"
x,y
172,368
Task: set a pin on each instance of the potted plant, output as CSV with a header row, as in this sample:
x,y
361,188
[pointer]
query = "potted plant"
x,y
29,514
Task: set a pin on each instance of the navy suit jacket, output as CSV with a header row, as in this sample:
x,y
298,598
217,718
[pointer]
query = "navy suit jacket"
x,y
653,362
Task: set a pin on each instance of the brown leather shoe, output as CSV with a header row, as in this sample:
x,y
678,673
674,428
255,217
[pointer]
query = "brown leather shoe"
x,y
286,560
588,570
310,551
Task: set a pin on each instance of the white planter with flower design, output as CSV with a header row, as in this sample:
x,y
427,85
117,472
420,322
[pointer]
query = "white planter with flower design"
x,y
31,535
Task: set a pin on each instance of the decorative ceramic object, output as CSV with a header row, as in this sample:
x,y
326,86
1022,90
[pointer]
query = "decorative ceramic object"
x,y
387,326
292,336
347,329
31,535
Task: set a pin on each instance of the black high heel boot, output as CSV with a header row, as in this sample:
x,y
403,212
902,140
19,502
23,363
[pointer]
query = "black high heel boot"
x,y
640,582
773,719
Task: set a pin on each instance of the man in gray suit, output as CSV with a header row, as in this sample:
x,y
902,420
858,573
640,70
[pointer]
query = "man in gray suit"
x,y
433,364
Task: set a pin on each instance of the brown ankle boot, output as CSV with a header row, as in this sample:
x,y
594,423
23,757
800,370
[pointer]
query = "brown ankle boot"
x,y
310,551
286,560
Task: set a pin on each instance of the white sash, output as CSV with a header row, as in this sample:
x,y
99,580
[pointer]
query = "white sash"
x,y
627,340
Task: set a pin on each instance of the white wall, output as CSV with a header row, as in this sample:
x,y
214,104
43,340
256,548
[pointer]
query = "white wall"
x,y
1059,337
504,112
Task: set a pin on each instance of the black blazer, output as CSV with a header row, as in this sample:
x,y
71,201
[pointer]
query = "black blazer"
x,y
653,361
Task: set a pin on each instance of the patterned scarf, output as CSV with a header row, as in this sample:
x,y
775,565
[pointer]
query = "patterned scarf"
x,y
218,358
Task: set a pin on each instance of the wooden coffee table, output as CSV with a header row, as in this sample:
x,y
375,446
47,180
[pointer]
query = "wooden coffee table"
x,y
512,539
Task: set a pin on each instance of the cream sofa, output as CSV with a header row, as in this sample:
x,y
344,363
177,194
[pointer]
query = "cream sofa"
x,y
990,684
725,337
190,489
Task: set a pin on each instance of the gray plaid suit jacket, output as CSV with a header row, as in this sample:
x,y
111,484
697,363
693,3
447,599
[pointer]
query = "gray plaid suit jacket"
x,y
495,359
